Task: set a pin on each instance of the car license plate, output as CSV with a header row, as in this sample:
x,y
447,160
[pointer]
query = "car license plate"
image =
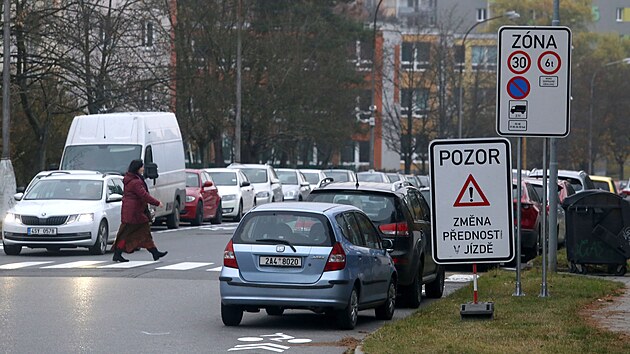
x,y
42,231
280,261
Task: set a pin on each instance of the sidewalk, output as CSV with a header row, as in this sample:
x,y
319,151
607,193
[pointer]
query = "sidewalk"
x,y
614,313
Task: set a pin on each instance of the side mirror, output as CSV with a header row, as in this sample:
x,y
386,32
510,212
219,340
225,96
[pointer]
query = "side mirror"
x,y
245,184
388,244
305,184
18,196
208,184
115,197
275,181
151,170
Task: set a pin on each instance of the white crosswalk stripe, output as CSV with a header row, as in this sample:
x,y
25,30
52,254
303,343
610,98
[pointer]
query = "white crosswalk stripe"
x,y
184,266
217,269
127,265
20,265
77,264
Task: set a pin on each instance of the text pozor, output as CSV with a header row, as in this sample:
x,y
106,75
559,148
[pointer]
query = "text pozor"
x,y
470,157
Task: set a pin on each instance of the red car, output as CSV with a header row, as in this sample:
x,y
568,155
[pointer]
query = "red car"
x,y
203,201
531,218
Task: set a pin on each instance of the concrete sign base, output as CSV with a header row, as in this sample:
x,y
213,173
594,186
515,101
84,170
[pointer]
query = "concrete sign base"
x,y
7,187
480,310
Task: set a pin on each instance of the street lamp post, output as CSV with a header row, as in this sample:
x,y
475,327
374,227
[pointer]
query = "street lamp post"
x,y
372,120
590,114
511,15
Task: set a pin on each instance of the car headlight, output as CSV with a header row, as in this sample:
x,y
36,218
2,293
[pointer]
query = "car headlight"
x,y
190,198
88,217
229,197
263,194
289,194
13,219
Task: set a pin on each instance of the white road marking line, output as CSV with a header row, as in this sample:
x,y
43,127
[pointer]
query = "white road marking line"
x,y
77,264
22,265
184,266
217,269
459,278
127,265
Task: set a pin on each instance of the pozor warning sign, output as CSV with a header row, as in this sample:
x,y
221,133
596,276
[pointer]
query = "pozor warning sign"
x,y
471,197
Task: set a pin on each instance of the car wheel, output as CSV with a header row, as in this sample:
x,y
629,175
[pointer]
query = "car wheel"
x,y
347,318
386,310
435,289
198,220
218,215
11,250
172,221
617,269
100,245
239,213
414,296
231,315
274,311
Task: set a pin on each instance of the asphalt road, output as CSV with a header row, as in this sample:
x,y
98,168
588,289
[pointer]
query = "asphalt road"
x,y
73,302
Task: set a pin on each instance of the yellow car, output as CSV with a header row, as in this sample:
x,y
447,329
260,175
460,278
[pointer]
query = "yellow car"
x,y
604,183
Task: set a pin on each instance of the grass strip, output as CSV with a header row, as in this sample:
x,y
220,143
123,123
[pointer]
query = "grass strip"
x,y
527,324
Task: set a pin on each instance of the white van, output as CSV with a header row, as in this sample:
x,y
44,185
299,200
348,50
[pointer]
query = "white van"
x,y
108,143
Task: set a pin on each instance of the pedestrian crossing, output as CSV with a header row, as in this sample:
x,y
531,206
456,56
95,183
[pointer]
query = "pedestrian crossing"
x,y
157,265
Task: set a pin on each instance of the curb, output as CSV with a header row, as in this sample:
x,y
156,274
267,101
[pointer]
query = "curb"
x,y
358,349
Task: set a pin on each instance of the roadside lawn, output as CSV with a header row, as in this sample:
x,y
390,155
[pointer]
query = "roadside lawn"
x,y
527,324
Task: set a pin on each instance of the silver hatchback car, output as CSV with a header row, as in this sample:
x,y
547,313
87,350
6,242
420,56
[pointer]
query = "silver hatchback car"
x,y
328,258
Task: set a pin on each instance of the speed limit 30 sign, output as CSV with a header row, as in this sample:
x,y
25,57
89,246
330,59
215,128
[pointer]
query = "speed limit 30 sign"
x,y
534,81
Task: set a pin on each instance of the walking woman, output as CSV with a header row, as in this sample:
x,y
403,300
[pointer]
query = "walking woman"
x,y
135,230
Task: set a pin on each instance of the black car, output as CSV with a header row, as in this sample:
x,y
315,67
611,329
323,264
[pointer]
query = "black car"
x,y
402,215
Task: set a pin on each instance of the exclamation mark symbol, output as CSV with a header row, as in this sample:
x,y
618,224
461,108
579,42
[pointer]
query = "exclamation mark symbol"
x,y
470,191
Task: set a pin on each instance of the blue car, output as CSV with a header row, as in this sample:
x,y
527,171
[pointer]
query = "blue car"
x,y
328,258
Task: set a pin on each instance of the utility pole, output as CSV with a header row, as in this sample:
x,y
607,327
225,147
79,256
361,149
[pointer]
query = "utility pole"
x,y
237,124
552,260
7,175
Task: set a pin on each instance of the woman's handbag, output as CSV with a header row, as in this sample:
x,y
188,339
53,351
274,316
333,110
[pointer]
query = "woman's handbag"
x,y
150,213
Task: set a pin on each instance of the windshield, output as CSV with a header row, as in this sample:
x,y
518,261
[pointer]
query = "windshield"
x,y
287,177
103,158
67,189
601,185
370,177
255,175
311,177
337,176
296,228
192,179
224,178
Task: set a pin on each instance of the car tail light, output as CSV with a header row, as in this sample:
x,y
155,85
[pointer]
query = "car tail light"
x,y
397,229
529,214
229,259
336,259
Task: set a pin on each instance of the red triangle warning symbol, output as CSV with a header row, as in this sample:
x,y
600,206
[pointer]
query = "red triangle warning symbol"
x,y
469,193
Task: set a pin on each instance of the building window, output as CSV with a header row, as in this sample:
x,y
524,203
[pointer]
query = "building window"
x,y
482,14
347,152
484,57
361,54
147,34
623,14
415,100
415,55
364,151
459,56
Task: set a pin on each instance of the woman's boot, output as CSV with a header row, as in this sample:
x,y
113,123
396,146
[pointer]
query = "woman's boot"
x,y
118,256
156,254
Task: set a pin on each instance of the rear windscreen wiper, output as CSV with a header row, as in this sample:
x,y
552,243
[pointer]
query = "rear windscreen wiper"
x,y
284,242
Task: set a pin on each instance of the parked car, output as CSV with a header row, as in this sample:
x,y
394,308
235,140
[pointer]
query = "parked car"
x,y
265,181
313,176
413,180
424,180
322,257
294,184
203,201
580,180
341,175
403,216
604,183
531,218
625,191
565,189
237,194
373,176
65,210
